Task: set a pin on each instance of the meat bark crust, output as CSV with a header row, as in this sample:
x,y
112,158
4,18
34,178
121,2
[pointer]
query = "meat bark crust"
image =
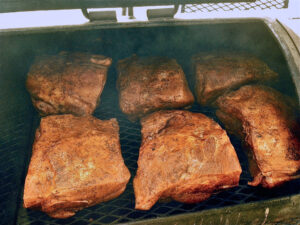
x,y
266,121
148,84
67,83
216,73
185,156
76,163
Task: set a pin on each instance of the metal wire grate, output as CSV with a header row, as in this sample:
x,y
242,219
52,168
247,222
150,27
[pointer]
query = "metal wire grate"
x,y
12,143
15,129
239,6
121,209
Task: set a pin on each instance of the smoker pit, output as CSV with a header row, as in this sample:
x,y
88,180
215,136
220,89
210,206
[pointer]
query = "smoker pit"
x,y
180,41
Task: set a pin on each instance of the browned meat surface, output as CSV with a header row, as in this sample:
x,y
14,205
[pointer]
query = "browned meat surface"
x,y
217,73
151,83
67,83
76,162
265,119
186,156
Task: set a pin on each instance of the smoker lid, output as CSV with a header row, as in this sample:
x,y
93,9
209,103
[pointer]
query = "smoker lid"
x,y
32,5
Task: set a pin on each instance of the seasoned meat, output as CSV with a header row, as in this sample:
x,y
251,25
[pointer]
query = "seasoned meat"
x,y
67,83
151,83
186,156
216,73
265,119
76,162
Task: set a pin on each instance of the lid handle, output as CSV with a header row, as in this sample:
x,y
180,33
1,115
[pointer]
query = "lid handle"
x,y
164,13
110,15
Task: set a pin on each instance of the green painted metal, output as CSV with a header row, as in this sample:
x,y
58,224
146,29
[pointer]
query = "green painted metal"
x,y
276,211
31,5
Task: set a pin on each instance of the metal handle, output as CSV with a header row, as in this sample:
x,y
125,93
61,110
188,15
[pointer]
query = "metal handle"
x,y
100,15
164,13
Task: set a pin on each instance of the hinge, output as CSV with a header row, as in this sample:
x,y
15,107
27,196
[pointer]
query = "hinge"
x,y
164,13
109,15
128,12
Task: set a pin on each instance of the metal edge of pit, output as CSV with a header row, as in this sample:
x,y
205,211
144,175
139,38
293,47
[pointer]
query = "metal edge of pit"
x,y
95,25
290,49
273,211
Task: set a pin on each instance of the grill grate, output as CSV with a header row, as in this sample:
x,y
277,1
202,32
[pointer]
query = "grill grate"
x,y
121,209
239,6
15,132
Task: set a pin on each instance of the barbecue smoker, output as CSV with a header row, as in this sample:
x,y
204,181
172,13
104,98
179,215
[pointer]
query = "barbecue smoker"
x,y
167,32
